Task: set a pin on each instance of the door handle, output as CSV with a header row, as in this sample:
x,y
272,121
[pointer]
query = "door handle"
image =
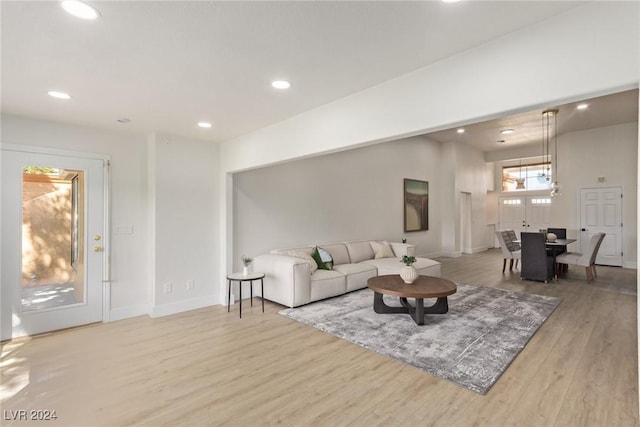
x,y
97,249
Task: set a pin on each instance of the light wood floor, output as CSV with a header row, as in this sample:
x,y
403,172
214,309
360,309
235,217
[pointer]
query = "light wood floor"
x,y
207,367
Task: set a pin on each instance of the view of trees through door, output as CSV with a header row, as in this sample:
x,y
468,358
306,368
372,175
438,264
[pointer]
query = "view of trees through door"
x,y
52,237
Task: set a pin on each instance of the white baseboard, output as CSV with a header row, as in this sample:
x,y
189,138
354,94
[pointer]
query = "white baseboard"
x,y
127,312
630,264
480,249
455,254
181,306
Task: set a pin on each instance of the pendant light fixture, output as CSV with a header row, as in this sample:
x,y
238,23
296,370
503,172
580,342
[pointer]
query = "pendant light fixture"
x,y
520,179
549,137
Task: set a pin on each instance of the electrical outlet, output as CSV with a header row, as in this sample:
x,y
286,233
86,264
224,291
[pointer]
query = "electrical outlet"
x,y
191,284
168,288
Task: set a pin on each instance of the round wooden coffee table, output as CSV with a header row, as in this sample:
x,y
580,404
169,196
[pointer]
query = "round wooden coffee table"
x,y
423,287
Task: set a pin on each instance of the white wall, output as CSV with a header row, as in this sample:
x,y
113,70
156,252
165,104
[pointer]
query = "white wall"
x,y
184,211
449,210
352,195
129,286
609,152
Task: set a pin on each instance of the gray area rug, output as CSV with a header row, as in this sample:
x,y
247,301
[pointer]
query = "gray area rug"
x,y
471,345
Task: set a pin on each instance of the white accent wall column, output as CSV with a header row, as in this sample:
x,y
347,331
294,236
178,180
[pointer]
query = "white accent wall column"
x,y
226,231
184,213
450,207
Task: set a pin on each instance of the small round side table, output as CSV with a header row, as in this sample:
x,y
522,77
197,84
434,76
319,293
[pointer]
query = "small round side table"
x,y
240,278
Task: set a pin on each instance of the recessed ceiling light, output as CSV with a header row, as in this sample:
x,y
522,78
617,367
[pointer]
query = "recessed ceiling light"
x,y
205,125
281,84
461,130
59,95
450,1
582,106
501,141
507,131
80,10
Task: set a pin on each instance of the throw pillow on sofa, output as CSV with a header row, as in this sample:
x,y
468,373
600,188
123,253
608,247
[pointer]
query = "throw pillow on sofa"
x,y
382,250
313,266
323,258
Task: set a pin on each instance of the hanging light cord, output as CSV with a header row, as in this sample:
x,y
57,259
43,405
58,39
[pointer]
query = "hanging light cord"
x,y
555,137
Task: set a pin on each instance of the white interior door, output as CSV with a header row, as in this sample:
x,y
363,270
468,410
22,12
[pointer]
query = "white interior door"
x,y
601,211
52,242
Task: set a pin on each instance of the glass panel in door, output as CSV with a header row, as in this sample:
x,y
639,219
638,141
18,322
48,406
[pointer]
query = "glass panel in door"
x,y
52,238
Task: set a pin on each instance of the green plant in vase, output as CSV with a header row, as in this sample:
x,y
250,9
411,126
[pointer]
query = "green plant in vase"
x,y
246,262
408,273
408,260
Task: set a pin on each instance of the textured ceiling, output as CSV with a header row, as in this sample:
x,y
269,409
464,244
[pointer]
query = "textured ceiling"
x,y
167,65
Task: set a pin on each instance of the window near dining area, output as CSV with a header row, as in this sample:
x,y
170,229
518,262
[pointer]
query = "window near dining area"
x,y
541,201
526,177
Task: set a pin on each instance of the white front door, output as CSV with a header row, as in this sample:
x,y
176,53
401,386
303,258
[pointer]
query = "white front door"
x,y
601,211
538,212
52,242
525,213
513,214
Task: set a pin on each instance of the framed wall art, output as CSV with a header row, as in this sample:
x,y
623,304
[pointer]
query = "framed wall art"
x,y
416,205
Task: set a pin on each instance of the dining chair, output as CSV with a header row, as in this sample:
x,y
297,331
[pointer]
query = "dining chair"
x,y
510,248
561,233
586,259
536,263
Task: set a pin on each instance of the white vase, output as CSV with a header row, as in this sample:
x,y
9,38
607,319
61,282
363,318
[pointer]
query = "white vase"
x,y
246,270
409,274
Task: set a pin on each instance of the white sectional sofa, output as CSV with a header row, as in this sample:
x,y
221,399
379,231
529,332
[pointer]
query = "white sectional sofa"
x,y
289,280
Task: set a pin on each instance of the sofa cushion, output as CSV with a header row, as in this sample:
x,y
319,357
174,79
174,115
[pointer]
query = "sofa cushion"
x,y
382,250
357,274
359,251
338,252
322,258
327,283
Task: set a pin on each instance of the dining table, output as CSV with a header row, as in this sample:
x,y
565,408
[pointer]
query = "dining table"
x,y
558,246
